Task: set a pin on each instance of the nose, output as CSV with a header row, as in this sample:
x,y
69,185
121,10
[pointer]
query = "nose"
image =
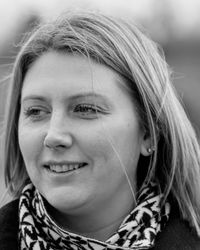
x,y
58,135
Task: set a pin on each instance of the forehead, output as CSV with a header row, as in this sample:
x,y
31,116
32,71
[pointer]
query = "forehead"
x,y
70,73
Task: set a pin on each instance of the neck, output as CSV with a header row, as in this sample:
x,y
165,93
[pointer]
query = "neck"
x,y
97,224
99,232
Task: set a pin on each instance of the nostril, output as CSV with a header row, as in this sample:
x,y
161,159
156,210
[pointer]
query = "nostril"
x,y
58,141
46,166
54,146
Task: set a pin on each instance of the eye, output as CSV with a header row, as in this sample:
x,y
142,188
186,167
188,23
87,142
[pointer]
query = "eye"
x,y
36,113
88,110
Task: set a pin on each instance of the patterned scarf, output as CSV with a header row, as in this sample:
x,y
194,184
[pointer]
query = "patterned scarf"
x,y
138,230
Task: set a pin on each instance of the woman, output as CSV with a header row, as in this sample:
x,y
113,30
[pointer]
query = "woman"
x,y
98,151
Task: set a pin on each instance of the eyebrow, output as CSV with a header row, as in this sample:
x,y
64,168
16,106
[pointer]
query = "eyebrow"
x,y
33,97
73,97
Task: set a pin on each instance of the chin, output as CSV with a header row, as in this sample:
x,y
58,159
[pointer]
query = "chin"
x,y
67,202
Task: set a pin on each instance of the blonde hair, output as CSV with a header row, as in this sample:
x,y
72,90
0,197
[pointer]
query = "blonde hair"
x,y
121,46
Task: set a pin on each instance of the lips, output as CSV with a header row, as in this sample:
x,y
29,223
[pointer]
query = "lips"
x,y
64,167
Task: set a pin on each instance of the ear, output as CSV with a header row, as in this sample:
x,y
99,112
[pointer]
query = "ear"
x,y
146,145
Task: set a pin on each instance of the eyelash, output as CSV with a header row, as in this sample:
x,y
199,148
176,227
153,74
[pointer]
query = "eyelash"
x,y
30,112
88,109
84,110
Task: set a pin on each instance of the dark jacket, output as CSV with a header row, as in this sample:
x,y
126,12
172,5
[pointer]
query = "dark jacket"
x,y
176,235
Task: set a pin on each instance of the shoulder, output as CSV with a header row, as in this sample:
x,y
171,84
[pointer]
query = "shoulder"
x,y
9,225
177,235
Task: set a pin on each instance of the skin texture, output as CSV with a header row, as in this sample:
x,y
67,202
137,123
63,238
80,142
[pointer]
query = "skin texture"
x,y
75,110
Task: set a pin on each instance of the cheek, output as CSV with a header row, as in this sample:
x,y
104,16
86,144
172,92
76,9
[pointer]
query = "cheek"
x,y
124,139
30,142
113,142
94,144
124,135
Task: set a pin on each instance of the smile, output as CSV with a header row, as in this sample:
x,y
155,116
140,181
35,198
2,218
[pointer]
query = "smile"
x,y
63,168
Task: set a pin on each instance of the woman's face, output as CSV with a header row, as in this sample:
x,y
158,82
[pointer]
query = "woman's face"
x,y
78,129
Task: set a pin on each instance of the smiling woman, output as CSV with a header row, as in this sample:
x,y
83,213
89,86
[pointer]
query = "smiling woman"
x,y
64,146
98,153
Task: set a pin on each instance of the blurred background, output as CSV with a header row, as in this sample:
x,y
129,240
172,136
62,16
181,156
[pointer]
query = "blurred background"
x,y
173,24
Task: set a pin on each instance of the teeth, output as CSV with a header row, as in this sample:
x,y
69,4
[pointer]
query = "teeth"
x,y
71,167
64,168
